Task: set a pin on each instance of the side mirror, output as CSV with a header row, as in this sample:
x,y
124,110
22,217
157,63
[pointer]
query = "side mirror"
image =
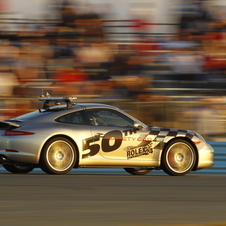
x,y
137,125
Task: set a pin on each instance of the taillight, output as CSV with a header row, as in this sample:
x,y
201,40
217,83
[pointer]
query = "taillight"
x,y
17,133
10,150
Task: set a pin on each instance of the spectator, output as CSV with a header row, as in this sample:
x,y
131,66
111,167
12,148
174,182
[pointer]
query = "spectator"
x,y
69,15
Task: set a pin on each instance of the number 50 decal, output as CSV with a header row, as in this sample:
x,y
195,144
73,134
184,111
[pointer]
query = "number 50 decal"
x,y
115,135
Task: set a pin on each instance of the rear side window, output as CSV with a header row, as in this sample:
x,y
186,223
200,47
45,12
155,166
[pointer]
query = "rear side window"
x,y
74,118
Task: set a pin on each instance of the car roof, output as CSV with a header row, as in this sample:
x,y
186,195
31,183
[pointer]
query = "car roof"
x,y
95,105
56,110
81,106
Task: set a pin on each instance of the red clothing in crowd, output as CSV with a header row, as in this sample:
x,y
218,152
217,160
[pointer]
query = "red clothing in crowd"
x,y
145,47
72,76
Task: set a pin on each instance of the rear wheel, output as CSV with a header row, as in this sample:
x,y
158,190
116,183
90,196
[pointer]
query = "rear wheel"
x,y
18,168
58,156
138,171
178,158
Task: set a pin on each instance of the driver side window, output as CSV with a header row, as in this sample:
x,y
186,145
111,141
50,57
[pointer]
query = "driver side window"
x,y
108,117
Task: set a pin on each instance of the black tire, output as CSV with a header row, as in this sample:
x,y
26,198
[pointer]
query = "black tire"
x,y
178,158
58,156
17,168
138,171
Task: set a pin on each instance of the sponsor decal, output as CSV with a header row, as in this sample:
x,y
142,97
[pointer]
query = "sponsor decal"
x,y
139,151
129,131
91,145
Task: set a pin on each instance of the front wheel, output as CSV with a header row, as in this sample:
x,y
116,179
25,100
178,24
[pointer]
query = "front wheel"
x,y
138,171
18,168
178,158
58,156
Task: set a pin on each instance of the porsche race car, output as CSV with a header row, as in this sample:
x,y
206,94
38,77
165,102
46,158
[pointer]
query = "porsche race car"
x,y
71,135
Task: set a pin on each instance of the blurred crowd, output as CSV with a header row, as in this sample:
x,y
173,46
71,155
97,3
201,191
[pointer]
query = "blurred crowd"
x,y
73,56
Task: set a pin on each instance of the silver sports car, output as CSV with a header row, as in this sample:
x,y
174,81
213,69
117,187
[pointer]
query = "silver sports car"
x,y
65,136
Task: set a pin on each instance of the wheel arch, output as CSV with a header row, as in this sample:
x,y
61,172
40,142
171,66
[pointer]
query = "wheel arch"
x,y
67,137
190,142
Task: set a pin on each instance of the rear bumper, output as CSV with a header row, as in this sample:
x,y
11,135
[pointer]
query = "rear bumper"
x,y
4,160
21,157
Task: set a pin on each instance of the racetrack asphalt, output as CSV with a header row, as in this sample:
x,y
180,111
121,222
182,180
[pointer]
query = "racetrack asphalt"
x,y
112,198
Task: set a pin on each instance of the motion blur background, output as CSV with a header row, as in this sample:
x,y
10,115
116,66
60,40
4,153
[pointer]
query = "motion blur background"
x,y
162,61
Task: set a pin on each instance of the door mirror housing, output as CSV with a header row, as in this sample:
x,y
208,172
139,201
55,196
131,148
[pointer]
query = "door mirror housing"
x,y
137,125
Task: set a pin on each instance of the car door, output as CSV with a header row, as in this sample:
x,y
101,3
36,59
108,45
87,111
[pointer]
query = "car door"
x,y
115,136
80,130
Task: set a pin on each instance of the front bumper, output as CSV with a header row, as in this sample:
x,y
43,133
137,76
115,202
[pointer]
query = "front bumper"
x,y
206,156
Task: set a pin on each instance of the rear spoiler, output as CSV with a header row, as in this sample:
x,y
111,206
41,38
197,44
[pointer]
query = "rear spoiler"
x,y
8,125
